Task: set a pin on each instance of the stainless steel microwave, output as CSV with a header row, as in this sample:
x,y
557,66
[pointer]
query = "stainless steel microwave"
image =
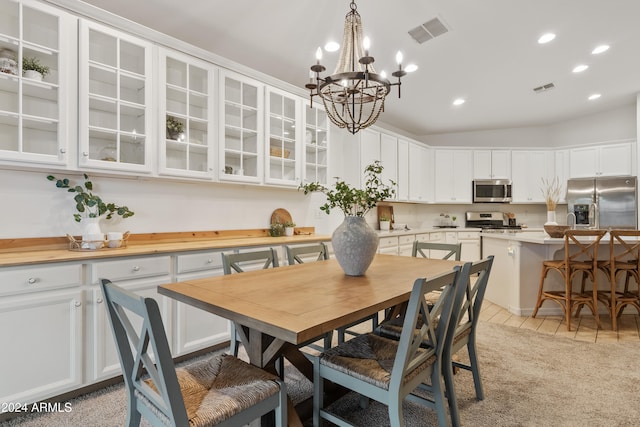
x,y
492,191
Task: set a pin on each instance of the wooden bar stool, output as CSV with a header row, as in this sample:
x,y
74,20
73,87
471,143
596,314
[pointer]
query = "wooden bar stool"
x,y
624,250
580,256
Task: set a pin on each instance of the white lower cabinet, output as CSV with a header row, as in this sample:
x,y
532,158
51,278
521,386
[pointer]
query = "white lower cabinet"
x,y
388,245
470,245
138,275
41,313
406,244
193,328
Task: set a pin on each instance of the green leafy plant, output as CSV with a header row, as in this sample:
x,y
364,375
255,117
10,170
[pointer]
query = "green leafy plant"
x,y
174,126
289,224
88,204
384,218
353,201
276,229
33,63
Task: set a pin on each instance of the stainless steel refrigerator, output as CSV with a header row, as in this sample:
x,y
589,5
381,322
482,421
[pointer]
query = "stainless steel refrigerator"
x,y
607,203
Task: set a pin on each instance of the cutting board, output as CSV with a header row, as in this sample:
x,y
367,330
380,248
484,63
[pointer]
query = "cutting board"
x,y
280,216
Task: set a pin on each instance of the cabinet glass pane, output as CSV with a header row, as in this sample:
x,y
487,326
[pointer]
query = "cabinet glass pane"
x,y
132,89
9,18
132,57
250,96
49,60
102,82
275,127
250,119
103,145
198,81
132,119
40,28
132,149
9,133
176,101
176,73
103,48
275,104
198,159
40,137
197,132
232,115
198,106
40,101
232,90
289,109
8,94
102,113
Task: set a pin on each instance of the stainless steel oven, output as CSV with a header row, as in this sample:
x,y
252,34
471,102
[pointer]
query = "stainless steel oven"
x,y
492,191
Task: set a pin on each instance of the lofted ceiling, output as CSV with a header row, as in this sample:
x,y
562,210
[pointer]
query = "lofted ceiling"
x,y
490,56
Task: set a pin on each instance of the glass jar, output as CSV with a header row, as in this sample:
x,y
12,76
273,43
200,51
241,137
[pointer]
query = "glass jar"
x,y
8,62
109,154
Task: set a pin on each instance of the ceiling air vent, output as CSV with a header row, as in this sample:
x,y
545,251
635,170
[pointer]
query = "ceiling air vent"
x,y
428,30
544,88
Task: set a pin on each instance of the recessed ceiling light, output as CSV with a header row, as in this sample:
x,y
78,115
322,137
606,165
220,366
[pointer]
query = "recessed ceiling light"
x,y
546,38
459,101
594,96
411,68
331,46
580,68
600,49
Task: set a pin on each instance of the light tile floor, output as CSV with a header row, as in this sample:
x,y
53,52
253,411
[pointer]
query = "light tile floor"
x,y
583,328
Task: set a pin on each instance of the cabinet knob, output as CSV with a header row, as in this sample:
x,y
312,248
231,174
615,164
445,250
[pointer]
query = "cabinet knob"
x,y
136,268
63,150
99,300
85,154
32,280
210,260
77,303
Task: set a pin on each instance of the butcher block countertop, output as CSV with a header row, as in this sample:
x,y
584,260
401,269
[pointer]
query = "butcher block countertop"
x,y
56,249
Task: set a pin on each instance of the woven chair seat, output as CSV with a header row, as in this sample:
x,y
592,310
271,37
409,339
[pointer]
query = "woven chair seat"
x,y
393,329
370,358
216,389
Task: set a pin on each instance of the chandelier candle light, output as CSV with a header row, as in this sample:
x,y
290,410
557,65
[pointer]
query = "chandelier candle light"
x,y
354,94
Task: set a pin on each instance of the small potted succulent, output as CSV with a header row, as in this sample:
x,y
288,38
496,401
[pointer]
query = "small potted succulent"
x,y
385,223
175,128
33,69
276,229
288,228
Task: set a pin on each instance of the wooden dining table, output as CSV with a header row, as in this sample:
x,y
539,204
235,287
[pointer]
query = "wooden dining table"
x,y
278,309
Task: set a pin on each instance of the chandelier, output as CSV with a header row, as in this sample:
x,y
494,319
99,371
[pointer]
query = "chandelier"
x,y
353,96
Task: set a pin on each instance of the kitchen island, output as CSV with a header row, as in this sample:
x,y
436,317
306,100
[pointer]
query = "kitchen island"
x,y
515,275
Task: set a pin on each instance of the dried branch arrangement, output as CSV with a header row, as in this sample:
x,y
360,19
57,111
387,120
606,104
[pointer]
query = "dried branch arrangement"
x,y
551,192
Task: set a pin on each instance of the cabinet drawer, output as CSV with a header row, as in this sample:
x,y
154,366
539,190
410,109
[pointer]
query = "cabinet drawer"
x,y
199,262
425,237
439,236
36,278
386,242
466,235
131,268
407,240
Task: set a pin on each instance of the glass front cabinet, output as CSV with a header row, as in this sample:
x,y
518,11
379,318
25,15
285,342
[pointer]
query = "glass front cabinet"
x,y
186,131
316,145
282,164
115,100
241,138
35,121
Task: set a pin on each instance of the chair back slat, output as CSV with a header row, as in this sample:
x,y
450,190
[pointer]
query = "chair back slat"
x,y
452,249
125,310
320,250
435,322
578,248
624,247
232,262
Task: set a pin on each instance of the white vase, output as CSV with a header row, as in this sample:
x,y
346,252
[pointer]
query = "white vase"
x,y
92,235
288,231
32,74
385,225
355,245
551,218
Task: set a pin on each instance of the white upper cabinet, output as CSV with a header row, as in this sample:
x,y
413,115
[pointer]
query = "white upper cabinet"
x,y
186,116
241,141
453,176
115,100
382,147
421,185
602,160
283,129
316,144
492,164
36,125
403,170
529,169
561,171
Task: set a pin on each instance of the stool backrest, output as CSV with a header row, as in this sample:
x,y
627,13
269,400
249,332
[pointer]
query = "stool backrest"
x,y
582,246
624,247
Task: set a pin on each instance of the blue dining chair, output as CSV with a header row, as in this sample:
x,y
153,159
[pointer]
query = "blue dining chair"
x,y
221,391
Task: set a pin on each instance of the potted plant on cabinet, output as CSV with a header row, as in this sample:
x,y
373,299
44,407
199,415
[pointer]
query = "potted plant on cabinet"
x,y
175,128
385,223
354,242
288,228
33,69
551,191
91,208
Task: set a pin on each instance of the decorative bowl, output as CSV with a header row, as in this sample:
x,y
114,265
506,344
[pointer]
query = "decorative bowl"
x,y
399,226
556,231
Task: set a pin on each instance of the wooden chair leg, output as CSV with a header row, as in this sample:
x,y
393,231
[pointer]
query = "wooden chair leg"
x,y
543,275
